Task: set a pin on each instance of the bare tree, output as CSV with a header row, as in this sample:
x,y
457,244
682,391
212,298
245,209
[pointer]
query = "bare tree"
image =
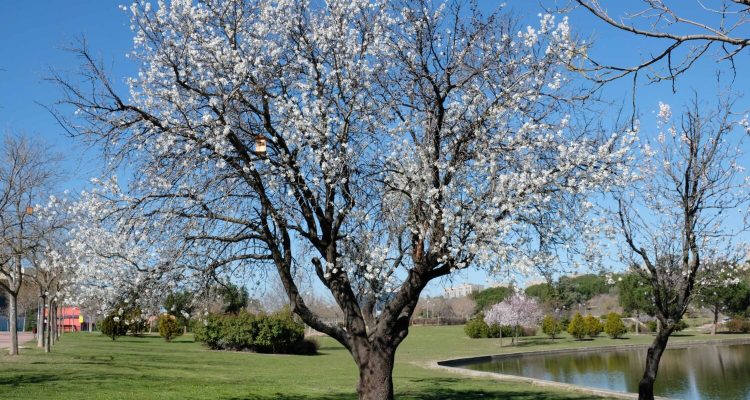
x,y
26,171
685,213
684,34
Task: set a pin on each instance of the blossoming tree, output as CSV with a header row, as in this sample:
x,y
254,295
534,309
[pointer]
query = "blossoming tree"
x,y
685,214
516,311
380,146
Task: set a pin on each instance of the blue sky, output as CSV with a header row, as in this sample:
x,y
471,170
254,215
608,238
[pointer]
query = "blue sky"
x,y
34,35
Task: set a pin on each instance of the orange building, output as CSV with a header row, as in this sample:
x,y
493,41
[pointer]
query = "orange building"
x,y
69,318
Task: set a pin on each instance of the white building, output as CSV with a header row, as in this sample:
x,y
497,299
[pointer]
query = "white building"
x,y
461,291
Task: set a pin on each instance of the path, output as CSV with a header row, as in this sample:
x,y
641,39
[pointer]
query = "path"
x,y
23,337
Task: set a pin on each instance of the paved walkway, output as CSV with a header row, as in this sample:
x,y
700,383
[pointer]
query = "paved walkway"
x,y
23,337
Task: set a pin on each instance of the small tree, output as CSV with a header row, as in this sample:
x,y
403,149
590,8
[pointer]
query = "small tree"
x,y
235,298
614,327
722,290
593,326
515,311
180,304
169,328
577,327
636,295
551,326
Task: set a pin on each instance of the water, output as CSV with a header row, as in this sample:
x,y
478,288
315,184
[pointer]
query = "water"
x,y
692,373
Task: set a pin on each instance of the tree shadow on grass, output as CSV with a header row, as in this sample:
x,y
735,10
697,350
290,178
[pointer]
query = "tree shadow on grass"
x,y
442,389
25,379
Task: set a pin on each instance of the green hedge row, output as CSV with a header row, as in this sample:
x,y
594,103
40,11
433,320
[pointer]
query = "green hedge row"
x,y
275,333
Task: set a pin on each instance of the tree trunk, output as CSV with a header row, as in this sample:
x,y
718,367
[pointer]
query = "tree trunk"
x,y
655,351
40,323
12,320
52,320
716,319
637,323
59,321
376,375
48,327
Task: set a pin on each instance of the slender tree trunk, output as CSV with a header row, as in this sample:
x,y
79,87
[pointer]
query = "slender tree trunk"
x,y
59,321
655,351
376,374
12,320
52,320
91,324
40,323
716,319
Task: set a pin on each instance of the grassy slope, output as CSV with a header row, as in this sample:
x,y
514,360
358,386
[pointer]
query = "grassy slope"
x,y
148,367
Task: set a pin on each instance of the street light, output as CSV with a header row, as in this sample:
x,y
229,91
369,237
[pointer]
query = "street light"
x,y
29,210
428,309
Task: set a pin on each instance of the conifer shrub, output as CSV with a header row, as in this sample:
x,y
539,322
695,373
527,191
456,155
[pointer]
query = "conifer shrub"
x,y
551,326
614,327
593,326
577,327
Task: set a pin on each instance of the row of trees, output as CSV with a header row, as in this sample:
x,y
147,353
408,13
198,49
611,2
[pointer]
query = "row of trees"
x,y
725,292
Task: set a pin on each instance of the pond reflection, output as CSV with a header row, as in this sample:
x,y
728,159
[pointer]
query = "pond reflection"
x,y
701,372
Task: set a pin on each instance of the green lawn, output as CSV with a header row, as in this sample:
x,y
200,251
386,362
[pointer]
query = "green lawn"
x,y
94,367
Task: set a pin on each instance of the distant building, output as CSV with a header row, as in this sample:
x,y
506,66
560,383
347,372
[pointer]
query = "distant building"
x,y
461,291
69,319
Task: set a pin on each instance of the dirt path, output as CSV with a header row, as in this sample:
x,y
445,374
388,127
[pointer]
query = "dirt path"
x,y
23,337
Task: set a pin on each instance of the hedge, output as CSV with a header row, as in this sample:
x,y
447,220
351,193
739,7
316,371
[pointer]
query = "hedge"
x,y
275,333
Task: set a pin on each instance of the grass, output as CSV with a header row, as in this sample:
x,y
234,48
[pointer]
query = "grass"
x,y
94,367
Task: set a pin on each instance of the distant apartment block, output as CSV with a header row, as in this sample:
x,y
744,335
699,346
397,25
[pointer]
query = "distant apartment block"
x,y
461,291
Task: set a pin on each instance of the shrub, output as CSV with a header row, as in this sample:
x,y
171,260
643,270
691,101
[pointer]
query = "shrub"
x,y
307,346
577,327
680,326
276,333
113,326
593,326
476,328
497,330
738,325
614,327
169,327
209,331
551,326
652,326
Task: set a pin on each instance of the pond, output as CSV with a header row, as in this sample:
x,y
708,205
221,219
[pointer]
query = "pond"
x,y
701,372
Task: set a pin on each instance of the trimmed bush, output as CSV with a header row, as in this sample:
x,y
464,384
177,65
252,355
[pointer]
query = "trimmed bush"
x,y
614,327
476,328
577,327
276,333
551,326
593,326
169,327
